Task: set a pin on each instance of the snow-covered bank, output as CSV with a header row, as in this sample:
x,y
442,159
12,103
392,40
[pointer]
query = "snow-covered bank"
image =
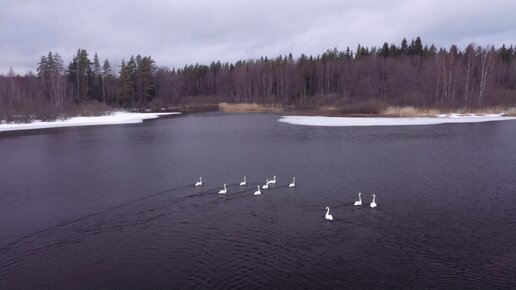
x,y
113,119
381,121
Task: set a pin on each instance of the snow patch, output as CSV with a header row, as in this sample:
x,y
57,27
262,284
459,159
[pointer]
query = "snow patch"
x,y
382,121
113,119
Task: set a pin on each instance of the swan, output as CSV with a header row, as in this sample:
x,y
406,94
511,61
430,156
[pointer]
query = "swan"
x,y
258,192
243,183
266,186
359,201
272,181
373,203
328,216
199,183
223,191
293,184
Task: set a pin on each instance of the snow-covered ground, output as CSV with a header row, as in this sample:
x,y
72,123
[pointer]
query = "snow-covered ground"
x,y
113,119
382,121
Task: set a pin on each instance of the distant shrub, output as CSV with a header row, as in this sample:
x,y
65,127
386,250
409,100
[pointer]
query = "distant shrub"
x,y
245,107
371,106
409,111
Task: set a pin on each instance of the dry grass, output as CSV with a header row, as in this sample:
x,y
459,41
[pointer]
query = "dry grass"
x,y
510,112
329,108
244,107
409,112
424,112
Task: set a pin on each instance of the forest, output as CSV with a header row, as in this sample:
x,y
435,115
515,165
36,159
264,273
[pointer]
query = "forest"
x,y
406,74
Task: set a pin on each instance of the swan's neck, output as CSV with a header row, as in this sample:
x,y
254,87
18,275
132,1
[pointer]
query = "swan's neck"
x,y
360,198
328,211
374,196
224,187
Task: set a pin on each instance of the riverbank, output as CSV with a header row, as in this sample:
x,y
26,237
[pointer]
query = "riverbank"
x,y
362,110
365,114
114,118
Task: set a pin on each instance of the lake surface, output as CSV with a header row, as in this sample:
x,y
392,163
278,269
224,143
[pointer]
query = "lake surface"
x,y
114,207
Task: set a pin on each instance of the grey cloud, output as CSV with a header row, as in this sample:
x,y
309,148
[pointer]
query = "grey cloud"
x,y
182,32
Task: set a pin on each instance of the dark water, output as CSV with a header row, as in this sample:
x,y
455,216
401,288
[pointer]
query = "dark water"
x,y
114,207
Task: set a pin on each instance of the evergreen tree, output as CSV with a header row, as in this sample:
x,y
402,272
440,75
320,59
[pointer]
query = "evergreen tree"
x,y
393,50
432,51
384,51
125,86
132,72
50,71
97,88
348,54
418,46
404,47
146,71
107,76
80,75
358,51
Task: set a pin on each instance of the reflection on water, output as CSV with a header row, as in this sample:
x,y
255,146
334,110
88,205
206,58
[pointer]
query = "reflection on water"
x,y
115,207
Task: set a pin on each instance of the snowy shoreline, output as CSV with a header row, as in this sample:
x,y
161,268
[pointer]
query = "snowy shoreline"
x,y
115,118
387,121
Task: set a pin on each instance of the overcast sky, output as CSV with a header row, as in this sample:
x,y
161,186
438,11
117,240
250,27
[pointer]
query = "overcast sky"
x,y
179,32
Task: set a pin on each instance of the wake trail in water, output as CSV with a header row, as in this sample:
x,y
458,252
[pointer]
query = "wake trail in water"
x,y
81,218
211,191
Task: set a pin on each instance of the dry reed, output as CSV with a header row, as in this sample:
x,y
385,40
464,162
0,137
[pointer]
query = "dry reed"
x,y
245,107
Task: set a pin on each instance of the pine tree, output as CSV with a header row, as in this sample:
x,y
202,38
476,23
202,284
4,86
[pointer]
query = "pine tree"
x,y
432,51
146,71
96,88
418,46
404,47
384,51
107,76
348,54
50,71
80,74
393,50
131,71
125,86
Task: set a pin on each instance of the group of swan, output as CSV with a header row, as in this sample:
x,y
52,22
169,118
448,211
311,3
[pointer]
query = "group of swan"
x,y
327,216
244,183
373,204
273,181
359,201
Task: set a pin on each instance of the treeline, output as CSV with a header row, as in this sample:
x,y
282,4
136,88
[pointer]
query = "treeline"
x,y
400,74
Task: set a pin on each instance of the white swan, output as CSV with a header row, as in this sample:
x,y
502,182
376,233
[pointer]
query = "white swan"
x,y
293,184
223,191
258,192
266,186
373,203
199,183
272,181
243,183
328,216
359,201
